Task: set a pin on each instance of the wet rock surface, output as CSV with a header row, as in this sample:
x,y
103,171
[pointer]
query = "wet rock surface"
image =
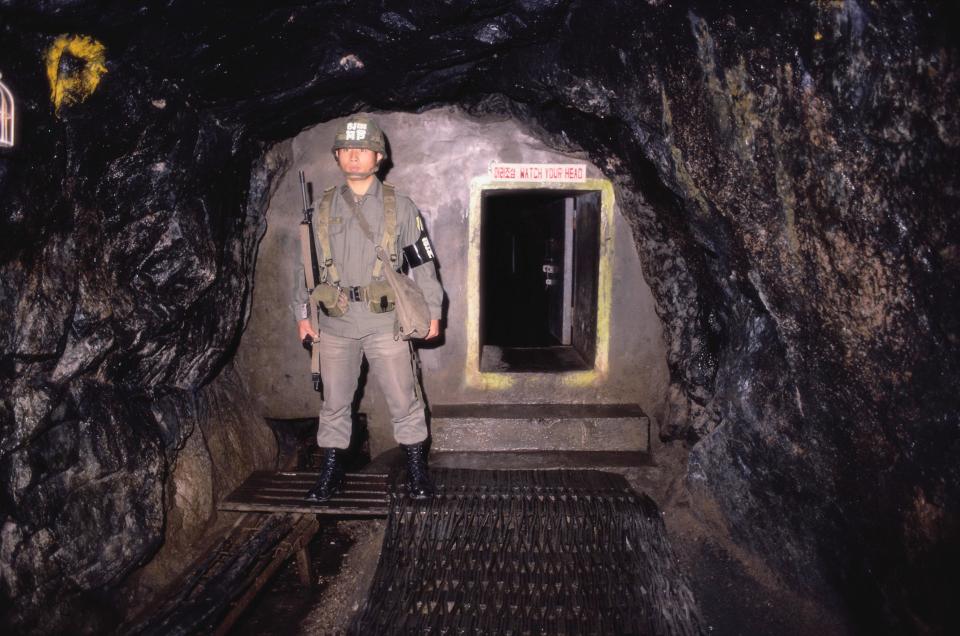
x,y
788,171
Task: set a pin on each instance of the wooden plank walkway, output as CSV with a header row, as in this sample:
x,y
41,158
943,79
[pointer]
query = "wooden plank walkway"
x,y
212,593
363,494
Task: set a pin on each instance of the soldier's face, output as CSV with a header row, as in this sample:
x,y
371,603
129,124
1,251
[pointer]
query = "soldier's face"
x,y
357,161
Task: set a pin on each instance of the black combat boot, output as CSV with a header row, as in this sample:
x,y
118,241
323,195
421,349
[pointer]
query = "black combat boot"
x,y
418,475
331,476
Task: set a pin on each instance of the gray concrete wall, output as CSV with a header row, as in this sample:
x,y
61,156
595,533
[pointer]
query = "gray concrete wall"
x,y
435,155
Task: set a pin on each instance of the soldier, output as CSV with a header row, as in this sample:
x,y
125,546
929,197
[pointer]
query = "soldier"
x,y
355,315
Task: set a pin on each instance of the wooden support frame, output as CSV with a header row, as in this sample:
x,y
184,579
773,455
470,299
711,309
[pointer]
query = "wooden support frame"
x,y
277,524
212,594
295,543
305,568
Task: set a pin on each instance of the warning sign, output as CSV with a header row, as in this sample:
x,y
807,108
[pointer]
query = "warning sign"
x,y
554,172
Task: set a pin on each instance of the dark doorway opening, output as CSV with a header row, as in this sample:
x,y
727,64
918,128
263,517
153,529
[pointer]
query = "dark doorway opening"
x,y
539,279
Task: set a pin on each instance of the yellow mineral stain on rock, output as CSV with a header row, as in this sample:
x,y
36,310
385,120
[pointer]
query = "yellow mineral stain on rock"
x,y
683,177
863,296
789,214
743,110
734,103
72,86
782,178
706,51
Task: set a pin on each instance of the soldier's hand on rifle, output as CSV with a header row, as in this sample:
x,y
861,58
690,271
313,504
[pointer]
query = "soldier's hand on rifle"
x,y
434,329
307,332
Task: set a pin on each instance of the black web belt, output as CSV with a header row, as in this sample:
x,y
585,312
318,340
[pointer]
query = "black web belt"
x,y
356,294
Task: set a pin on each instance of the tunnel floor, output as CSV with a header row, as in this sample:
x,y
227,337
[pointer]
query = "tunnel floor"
x,y
735,593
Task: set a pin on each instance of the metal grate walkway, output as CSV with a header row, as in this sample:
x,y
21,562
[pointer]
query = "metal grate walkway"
x,y
527,552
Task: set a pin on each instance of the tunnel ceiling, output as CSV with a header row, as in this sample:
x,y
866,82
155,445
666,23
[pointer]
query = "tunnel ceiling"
x,y
788,170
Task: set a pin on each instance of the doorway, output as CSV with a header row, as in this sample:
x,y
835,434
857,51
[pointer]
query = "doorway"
x,y
539,279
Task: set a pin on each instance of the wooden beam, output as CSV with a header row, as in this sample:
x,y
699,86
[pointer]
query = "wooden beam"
x,y
211,595
305,567
305,527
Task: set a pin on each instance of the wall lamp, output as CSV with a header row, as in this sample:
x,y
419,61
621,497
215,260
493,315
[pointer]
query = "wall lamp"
x,y
7,114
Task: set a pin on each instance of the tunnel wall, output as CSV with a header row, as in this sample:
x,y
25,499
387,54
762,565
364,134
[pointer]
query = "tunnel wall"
x,y
799,165
125,269
435,155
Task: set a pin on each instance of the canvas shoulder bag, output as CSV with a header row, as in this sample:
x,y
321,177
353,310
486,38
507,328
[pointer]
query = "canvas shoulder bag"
x,y
413,314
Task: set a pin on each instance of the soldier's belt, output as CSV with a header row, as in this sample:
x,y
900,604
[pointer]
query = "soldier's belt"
x,y
378,295
356,294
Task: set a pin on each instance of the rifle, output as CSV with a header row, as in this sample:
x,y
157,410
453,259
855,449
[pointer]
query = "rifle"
x,y
311,274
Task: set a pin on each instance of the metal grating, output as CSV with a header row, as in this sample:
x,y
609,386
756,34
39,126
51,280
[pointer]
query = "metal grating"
x,y
527,552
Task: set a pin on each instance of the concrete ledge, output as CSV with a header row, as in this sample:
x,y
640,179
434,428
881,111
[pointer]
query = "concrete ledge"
x,y
539,427
615,461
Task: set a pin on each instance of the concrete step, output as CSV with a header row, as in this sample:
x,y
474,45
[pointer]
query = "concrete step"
x,y
539,427
615,461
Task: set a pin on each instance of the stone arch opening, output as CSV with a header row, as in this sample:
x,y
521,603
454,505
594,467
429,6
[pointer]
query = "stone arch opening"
x,y
440,158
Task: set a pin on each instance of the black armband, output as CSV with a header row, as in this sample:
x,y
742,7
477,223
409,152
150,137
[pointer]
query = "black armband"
x,y
419,252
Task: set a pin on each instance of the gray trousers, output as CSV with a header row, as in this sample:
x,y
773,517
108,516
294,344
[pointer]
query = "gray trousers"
x,y
391,363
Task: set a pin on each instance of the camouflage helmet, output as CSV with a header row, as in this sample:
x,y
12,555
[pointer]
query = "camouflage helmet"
x,y
359,131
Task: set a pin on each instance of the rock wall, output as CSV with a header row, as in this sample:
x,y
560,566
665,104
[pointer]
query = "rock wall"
x,y
797,165
130,224
226,440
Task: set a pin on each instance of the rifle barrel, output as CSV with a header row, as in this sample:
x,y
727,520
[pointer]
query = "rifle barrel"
x,y
303,192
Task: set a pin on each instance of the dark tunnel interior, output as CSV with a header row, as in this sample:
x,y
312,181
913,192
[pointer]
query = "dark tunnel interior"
x,y
786,172
540,253
523,234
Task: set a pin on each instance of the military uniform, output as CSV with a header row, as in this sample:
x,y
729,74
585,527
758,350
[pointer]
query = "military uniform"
x,y
344,339
357,317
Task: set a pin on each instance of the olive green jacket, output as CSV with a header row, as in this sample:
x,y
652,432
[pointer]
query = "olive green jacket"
x,y
354,256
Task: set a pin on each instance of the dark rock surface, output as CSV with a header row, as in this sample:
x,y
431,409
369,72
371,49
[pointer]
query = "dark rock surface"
x,y
789,171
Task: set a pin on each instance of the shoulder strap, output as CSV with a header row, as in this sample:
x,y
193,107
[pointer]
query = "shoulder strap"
x,y
322,228
389,240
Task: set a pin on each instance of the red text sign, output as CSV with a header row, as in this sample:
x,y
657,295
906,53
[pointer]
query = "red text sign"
x,y
556,172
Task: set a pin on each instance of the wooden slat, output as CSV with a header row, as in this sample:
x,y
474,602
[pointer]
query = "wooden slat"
x,y
340,498
302,488
296,501
300,493
308,479
308,508
313,474
306,485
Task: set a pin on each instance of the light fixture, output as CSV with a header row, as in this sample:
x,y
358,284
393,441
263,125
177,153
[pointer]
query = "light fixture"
x,y
6,116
